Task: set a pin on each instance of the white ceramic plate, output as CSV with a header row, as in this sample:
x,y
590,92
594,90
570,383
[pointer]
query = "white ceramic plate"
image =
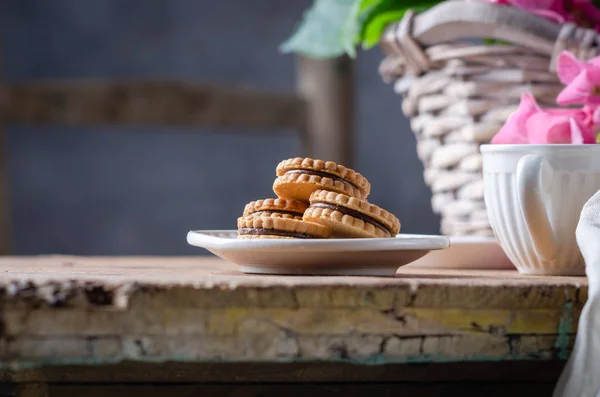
x,y
376,256
467,253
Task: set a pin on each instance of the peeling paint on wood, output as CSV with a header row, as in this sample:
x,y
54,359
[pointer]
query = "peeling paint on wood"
x,y
109,310
565,328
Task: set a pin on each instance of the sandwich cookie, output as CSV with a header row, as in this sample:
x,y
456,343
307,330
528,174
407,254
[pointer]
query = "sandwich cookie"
x,y
350,217
280,228
298,178
292,209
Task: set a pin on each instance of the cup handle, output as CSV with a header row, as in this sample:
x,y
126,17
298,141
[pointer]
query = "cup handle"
x,y
533,178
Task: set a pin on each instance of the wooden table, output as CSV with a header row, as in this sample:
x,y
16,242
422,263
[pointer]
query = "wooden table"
x,y
195,326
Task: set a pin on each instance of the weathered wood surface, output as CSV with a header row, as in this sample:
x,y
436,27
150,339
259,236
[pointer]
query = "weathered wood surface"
x,y
153,103
71,310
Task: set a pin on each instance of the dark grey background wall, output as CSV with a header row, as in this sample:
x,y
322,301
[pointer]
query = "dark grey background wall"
x,y
133,191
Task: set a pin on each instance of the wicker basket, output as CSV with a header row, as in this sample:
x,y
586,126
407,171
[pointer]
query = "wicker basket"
x,y
458,91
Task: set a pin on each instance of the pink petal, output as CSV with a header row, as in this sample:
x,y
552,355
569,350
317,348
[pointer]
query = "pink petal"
x,y
586,133
593,73
591,114
580,3
578,113
576,133
596,115
586,10
575,92
545,128
584,89
559,126
568,67
515,130
528,104
591,125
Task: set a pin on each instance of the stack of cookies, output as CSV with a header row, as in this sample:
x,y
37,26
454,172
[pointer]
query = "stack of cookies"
x,y
317,199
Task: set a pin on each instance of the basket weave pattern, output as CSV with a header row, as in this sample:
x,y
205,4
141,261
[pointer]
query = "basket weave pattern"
x,y
458,95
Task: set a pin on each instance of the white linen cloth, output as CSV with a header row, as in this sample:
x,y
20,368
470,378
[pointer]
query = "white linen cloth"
x,y
581,375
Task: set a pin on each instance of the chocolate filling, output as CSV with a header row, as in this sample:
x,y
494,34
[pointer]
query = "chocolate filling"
x,y
324,175
294,213
271,232
355,214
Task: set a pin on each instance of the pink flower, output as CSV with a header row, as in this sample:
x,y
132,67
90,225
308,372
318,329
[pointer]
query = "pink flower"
x,y
583,12
581,135
592,115
568,67
515,128
592,120
532,124
559,126
582,80
595,111
583,89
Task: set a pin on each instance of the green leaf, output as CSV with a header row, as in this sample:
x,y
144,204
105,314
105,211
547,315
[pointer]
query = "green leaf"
x,y
333,27
378,8
384,6
329,28
386,12
366,5
374,29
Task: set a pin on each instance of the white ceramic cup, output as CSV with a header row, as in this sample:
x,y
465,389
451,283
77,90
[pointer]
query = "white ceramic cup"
x,y
534,195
